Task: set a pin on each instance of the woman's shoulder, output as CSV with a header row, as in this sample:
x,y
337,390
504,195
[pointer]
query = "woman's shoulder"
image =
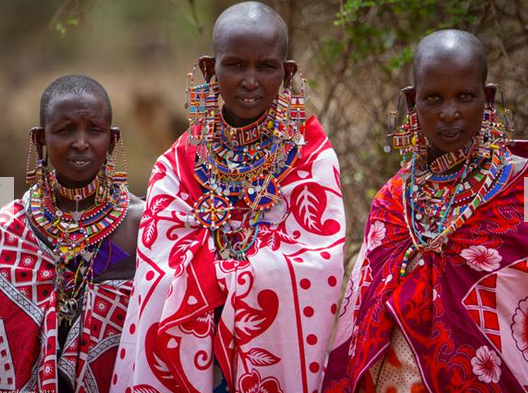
x,y
126,234
136,207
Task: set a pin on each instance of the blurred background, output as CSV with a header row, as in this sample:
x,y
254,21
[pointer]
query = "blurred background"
x,y
355,54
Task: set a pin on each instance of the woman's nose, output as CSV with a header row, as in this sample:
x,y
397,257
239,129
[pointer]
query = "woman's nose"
x,y
449,112
250,80
81,140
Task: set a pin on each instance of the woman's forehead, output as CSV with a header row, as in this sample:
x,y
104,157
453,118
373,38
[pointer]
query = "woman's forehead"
x,y
430,68
68,100
266,40
72,105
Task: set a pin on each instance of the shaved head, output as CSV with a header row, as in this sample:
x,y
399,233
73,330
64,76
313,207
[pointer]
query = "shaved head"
x,y
444,45
250,16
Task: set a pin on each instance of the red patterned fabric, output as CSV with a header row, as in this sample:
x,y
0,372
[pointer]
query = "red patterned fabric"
x,y
278,305
463,312
28,318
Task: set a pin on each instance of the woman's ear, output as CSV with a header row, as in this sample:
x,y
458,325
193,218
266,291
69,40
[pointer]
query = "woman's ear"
x,y
38,138
490,89
207,64
114,138
290,68
410,96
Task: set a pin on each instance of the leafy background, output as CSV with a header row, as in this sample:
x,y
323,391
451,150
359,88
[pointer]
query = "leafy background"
x,y
356,55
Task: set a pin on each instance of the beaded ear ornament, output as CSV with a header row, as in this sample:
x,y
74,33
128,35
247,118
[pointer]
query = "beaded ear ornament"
x,y
408,138
240,168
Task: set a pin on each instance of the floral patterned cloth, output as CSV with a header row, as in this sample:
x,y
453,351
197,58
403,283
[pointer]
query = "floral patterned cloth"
x,y
278,305
463,312
28,316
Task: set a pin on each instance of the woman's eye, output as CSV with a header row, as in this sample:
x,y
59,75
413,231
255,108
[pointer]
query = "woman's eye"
x,y
266,66
466,96
432,99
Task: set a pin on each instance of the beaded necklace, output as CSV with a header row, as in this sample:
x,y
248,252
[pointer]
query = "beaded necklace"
x,y
75,237
439,206
74,193
240,169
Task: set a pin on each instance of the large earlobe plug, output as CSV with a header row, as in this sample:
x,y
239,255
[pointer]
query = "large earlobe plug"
x,y
410,96
290,69
207,64
491,90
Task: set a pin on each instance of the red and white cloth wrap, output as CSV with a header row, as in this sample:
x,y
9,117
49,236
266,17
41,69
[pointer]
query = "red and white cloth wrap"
x,y
278,305
28,318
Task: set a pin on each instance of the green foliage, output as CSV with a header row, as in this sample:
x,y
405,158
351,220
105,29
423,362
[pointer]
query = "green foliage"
x,y
385,30
61,26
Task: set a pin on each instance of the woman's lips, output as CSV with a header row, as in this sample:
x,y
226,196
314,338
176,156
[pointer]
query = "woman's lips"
x,y
80,162
249,100
451,135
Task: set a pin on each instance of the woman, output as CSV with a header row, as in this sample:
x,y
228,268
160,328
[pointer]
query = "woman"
x,y
67,249
240,250
437,299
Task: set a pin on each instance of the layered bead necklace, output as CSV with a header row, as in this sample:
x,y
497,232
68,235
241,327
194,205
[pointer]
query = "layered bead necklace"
x,y
436,204
75,237
240,170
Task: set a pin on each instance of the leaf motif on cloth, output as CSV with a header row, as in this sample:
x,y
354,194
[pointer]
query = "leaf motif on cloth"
x,y
160,203
155,356
261,357
309,203
145,389
158,172
267,238
149,221
180,254
150,232
251,322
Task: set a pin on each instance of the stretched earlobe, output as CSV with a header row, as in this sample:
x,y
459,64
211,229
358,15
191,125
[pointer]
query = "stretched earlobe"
x,y
290,69
207,64
37,136
410,96
114,138
490,90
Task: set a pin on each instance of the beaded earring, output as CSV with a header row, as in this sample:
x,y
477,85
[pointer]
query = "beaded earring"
x,y
37,175
297,116
408,137
118,177
108,177
493,134
291,113
202,106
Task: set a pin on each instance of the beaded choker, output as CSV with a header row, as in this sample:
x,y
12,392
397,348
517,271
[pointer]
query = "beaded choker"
x,y
74,194
449,160
250,134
